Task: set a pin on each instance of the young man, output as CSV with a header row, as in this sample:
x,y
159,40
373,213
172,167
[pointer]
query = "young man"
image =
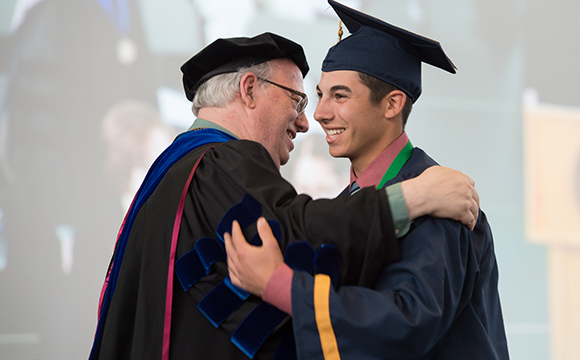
x,y
248,96
441,300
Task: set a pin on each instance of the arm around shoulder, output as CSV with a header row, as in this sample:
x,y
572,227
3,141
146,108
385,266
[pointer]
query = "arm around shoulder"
x,y
444,193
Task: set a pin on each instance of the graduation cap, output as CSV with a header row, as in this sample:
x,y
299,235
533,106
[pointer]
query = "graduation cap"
x,y
384,51
228,55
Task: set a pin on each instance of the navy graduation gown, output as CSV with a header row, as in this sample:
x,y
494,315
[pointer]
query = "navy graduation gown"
x,y
440,301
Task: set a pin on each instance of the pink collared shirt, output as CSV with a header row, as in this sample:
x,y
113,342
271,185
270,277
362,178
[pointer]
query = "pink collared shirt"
x,y
278,291
373,174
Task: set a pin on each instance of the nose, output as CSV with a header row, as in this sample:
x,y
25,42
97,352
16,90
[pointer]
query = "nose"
x,y
322,110
302,123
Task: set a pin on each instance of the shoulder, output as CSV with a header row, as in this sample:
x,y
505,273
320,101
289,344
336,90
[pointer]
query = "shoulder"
x,y
236,153
247,147
421,159
417,163
449,236
247,164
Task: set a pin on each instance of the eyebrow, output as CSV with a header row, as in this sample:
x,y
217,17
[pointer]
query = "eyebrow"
x,y
336,88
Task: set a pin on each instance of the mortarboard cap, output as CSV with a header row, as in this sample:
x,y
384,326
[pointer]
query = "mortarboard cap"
x,y
228,55
384,51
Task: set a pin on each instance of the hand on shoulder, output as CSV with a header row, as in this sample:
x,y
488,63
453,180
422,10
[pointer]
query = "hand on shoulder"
x,y
444,193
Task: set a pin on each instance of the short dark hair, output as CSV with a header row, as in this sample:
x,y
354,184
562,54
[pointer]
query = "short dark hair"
x,y
379,89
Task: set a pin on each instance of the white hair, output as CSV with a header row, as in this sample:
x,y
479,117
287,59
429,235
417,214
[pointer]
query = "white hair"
x,y
220,90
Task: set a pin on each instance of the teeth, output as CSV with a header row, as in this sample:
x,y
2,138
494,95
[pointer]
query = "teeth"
x,y
290,135
334,132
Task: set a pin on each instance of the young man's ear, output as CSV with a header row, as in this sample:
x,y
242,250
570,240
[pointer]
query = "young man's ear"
x,y
394,103
248,85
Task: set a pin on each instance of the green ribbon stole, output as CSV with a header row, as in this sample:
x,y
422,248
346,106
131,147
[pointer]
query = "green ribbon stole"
x,y
397,164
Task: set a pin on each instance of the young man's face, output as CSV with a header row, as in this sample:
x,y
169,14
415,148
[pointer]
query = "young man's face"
x,y
354,127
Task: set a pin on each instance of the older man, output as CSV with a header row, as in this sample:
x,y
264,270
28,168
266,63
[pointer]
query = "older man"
x,y
167,292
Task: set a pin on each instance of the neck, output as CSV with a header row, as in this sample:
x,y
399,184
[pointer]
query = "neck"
x,y
227,117
360,163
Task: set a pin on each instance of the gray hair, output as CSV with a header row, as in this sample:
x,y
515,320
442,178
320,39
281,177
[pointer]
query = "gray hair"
x,y
220,90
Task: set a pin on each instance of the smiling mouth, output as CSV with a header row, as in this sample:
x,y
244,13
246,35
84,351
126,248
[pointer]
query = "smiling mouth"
x,y
332,133
290,135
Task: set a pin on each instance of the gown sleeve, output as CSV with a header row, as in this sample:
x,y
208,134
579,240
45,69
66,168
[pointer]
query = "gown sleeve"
x,y
414,305
361,227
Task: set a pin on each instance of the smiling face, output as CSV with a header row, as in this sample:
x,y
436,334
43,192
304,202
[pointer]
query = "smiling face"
x,y
354,127
277,120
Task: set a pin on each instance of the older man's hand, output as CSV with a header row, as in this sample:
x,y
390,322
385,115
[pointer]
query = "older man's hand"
x,y
444,193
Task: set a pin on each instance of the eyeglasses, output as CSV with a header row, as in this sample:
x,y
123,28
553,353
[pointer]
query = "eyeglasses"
x,y
300,105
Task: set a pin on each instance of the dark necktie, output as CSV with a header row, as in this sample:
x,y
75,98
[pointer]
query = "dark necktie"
x,y
354,188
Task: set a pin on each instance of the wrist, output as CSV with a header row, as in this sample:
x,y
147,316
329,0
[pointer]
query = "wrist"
x,y
278,290
415,199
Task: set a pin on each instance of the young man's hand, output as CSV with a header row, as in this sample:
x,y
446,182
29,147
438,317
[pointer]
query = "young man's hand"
x,y
250,267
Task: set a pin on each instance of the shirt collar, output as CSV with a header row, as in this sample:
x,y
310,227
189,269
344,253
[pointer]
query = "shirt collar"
x,y
201,123
372,175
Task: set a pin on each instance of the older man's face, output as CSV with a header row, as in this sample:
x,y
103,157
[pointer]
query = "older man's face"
x,y
277,119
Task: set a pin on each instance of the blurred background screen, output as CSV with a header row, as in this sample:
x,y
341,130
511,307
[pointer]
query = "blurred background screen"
x,y
90,94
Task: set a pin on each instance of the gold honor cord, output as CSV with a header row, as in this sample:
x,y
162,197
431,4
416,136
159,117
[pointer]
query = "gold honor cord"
x,y
323,321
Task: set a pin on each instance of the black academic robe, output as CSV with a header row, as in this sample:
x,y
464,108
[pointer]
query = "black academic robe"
x,y
440,301
360,226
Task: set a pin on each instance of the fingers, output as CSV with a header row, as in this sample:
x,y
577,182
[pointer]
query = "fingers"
x,y
475,195
250,267
474,204
470,214
232,255
472,199
264,228
231,259
232,240
474,208
238,238
470,181
230,249
471,208
266,234
471,187
475,212
444,193
470,222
